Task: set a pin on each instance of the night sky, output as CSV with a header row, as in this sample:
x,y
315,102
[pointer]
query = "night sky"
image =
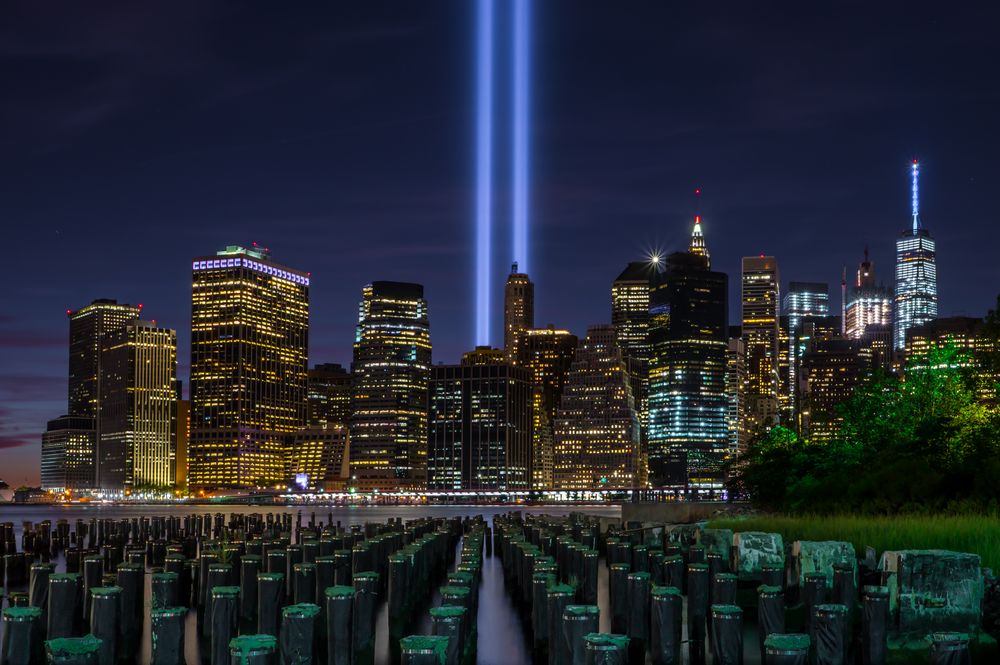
x,y
137,135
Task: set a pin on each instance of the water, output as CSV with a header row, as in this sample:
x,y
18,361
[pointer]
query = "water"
x,y
502,638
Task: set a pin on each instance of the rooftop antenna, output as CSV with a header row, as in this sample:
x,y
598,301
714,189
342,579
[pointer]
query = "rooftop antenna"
x,y
915,194
843,299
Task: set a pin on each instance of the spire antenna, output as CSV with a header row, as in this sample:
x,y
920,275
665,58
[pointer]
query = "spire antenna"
x,y
915,194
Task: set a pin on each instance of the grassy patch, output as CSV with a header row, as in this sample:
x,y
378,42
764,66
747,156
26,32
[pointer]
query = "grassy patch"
x,y
979,534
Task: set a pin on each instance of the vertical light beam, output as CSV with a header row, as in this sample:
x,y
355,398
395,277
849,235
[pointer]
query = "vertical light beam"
x,y
521,100
915,194
484,166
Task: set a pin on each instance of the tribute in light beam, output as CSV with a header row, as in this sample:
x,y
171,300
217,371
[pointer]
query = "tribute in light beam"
x,y
915,194
521,100
484,166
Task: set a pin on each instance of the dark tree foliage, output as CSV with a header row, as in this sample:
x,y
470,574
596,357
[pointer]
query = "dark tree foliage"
x,y
921,443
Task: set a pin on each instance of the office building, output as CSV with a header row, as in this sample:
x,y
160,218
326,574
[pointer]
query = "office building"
x,y
136,447
329,395
249,355
88,327
69,449
518,309
965,334
916,299
760,298
868,303
689,434
597,443
736,378
876,347
831,368
480,424
803,299
391,372
547,354
319,459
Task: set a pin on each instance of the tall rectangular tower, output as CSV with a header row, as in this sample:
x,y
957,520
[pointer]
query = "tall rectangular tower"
x,y
760,298
804,299
138,418
518,309
392,368
480,424
916,273
249,354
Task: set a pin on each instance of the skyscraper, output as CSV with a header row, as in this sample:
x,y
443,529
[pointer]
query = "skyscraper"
x,y
803,299
831,368
318,458
249,355
138,418
760,298
547,354
630,315
597,444
868,303
88,328
518,309
68,449
329,395
916,272
391,368
966,334
688,429
480,424
736,378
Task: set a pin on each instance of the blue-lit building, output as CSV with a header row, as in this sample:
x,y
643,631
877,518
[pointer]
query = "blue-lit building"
x,y
803,299
688,427
916,274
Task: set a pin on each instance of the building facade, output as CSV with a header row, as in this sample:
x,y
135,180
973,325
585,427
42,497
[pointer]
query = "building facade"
x,y
88,327
68,454
391,371
831,368
249,357
597,442
736,378
868,303
760,299
318,458
136,447
964,333
689,434
518,309
329,395
916,300
802,300
480,424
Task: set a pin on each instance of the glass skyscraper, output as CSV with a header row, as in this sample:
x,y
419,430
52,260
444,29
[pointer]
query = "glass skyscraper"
x,y
689,432
802,300
916,273
760,301
480,424
249,355
392,369
138,417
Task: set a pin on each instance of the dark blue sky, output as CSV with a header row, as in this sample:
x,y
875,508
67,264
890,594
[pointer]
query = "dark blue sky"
x,y
137,135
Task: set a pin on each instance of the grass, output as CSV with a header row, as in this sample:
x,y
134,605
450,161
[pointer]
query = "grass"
x,y
979,534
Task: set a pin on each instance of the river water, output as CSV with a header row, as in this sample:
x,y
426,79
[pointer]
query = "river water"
x,y
502,638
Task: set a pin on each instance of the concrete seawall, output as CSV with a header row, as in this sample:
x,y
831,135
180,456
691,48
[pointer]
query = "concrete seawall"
x,y
676,512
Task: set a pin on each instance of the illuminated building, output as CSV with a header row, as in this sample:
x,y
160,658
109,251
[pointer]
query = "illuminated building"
x,y
760,298
916,273
876,347
831,368
68,449
182,436
736,378
328,395
249,354
547,354
318,458
868,303
480,424
392,368
803,299
138,418
965,333
518,309
688,407
597,442
88,327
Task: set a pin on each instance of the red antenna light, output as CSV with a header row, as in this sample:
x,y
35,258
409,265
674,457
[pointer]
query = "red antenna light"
x,y
697,219
69,312
254,243
140,305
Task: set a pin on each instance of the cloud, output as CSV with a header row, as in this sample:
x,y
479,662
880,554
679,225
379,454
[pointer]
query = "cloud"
x,y
8,441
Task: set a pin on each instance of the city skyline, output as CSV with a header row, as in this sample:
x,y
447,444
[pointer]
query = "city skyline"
x,y
72,208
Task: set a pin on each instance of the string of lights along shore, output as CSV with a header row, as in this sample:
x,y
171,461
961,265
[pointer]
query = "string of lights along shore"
x,y
666,392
